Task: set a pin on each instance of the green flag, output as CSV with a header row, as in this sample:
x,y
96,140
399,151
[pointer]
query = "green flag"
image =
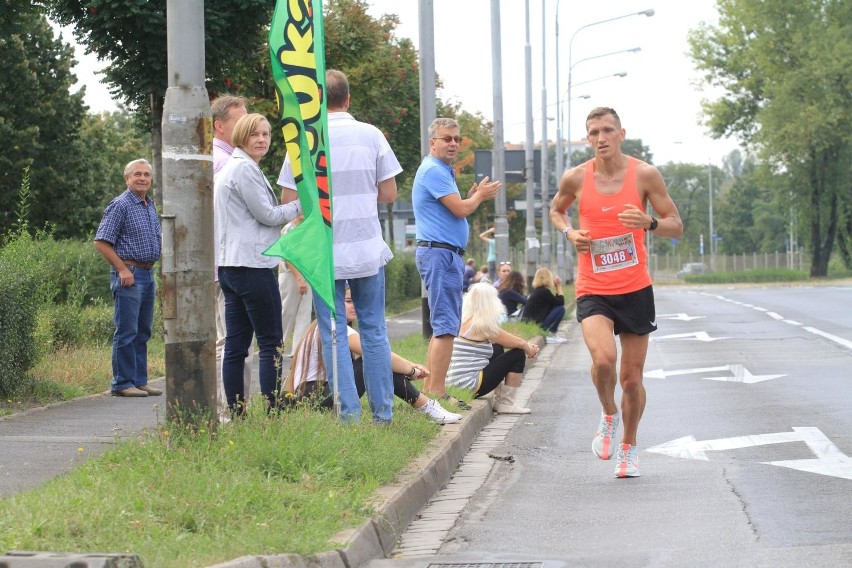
x,y
298,67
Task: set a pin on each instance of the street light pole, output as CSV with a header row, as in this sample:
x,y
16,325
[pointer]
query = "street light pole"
x,y
571,83
560,243
710,229
498,152
530,233
544,260
648,13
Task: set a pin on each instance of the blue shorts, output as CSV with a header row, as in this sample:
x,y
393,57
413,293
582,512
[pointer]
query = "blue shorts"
x,y
442,272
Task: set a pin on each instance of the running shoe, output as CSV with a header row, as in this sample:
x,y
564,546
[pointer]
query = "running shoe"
x,y
602,445
627,461
554,339
437,413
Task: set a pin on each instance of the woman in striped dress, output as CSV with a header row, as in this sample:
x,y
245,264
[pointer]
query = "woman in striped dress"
x,y
485,357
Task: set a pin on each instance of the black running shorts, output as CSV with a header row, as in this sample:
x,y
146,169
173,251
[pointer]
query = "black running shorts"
x,y
631,313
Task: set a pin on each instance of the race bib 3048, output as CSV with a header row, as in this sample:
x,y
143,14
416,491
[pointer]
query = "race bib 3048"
x,y
613,253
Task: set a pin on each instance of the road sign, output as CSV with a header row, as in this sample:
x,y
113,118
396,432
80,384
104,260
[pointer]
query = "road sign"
x,y
515,164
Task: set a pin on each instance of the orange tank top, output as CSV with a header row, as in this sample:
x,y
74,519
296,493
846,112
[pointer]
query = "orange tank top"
x,y
617,261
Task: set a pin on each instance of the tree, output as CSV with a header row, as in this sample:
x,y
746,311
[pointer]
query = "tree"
x,y
108,141
384,76
786,69
39,117
131,36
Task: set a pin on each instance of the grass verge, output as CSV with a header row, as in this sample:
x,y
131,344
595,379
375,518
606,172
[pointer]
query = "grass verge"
x,y
190,498
180,496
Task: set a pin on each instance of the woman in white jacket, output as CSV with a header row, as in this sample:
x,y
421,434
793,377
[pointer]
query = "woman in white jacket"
x,y
248,219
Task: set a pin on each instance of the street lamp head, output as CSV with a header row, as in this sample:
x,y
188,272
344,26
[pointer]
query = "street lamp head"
x,y
622,74
634,50
649,12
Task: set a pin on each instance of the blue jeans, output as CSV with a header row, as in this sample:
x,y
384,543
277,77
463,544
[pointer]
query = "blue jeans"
x,y
368,295
553,319
134,318
252,307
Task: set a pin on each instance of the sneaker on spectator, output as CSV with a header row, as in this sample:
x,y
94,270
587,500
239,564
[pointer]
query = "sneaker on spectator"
x,y
627,461
437,413
602,444
552,339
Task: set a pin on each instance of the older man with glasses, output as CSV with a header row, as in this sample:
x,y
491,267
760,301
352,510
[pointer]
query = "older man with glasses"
x,y
442,235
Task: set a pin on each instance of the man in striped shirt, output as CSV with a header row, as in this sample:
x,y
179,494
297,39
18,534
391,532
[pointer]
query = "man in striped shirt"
x,y
363,170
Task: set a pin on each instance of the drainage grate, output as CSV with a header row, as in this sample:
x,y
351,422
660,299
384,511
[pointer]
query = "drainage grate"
x,y
489,565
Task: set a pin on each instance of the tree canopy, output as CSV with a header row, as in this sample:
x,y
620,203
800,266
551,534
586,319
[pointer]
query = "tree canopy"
x,y
786,71
39,116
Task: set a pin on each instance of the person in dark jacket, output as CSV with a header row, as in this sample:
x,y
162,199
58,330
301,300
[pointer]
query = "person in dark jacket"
x,y
511,291
543,306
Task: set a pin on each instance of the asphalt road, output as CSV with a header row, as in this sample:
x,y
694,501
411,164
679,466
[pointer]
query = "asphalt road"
x,y
744,447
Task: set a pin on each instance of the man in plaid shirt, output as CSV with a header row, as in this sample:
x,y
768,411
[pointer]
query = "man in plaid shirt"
x,y
129,239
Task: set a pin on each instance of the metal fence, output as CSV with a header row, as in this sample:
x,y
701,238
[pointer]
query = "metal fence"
x,y
667,266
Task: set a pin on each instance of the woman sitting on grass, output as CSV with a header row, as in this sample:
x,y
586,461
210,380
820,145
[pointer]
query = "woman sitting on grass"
x,y
480,361
307,376
511,292
543,306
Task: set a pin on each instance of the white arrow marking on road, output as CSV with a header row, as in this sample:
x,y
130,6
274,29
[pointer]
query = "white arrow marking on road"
x,y
743,375
829,459
697,336
680,316
663,374
739,374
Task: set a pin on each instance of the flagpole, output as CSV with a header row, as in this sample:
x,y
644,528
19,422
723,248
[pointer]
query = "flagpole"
x,y
335,390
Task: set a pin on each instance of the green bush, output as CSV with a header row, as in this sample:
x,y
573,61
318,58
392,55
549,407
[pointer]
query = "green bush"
x,y
84,275
65,325
402,281
748,276
28,279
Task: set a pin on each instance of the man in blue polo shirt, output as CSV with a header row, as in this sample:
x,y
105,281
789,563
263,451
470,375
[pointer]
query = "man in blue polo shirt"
x,y
129,239
442,234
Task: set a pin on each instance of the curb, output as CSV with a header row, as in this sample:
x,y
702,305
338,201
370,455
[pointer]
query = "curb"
x,y
400,501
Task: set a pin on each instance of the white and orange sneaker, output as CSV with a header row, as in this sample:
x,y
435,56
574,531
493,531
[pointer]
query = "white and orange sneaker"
x,y
627,461
602,444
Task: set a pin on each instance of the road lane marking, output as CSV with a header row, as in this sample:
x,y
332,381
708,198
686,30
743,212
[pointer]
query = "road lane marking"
x,y
739,374
839,340
679,316
696,336
829,459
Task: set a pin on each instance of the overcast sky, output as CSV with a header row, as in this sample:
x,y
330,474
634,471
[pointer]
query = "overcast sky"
x,y
658,100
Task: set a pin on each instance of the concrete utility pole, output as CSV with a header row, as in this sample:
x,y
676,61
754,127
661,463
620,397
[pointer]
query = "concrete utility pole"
x,y
532,244
498,161
187,265
427,113
545,148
